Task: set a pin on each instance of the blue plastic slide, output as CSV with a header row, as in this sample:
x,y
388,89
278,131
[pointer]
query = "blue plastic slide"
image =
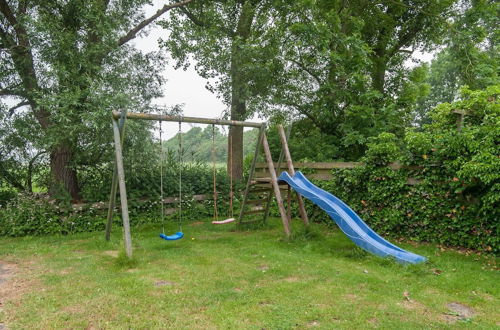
x,y
348,221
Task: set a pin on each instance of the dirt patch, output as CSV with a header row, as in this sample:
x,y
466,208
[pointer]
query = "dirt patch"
x,y
13,286
458,312
351,297
111,253
6,271
263,268
197,223
313,323
418,307
66,271
292,279
164,283
412,305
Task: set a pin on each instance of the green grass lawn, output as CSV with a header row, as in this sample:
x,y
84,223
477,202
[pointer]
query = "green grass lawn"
x,y
217,278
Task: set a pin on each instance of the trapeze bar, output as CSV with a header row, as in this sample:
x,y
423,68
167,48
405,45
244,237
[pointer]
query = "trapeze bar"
x,y
150,116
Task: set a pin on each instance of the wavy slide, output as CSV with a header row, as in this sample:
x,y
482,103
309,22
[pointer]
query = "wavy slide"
x,y
348,221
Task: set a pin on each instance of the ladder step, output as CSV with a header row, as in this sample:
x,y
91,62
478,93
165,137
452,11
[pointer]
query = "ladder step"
x,y
266,184
257,201
265,179
260,190
262,210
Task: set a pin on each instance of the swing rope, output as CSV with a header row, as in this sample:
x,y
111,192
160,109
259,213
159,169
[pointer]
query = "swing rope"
x,y
230,159
179,234
180,177
230,155
161,180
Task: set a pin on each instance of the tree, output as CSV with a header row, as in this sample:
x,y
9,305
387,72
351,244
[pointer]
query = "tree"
x,y
470,56
344,65
230,41
68,63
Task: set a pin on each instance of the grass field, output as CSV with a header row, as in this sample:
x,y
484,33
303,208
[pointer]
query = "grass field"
x,y
216,278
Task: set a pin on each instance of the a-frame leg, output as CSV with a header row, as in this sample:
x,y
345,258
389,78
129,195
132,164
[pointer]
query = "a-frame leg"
x,y
114,183
276,188
291,170
123,190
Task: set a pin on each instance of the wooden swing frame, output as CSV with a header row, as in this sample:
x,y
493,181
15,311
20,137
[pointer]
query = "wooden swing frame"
x,y
118,181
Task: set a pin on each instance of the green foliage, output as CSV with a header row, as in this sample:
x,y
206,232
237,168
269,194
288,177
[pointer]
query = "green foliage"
x,y
36,215
456,198
382,149
470,58
344,67
197,144
306,142
28,215
74,69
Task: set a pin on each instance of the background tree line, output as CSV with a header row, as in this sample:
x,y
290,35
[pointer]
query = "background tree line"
x,y
338,69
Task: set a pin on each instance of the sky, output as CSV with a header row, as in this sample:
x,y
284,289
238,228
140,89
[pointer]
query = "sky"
x,y
182,87
186,87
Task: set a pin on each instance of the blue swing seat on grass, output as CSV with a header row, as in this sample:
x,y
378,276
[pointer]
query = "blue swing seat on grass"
x,y
174,237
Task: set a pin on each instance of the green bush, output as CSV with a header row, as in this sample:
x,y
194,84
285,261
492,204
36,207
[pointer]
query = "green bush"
x,y
454,195
457,192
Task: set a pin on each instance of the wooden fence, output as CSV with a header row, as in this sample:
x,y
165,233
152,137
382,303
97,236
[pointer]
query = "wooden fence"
x,y
320,171
323,170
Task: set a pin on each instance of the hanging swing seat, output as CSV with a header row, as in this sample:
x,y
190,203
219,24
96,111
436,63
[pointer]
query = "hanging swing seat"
x,y
223,221
174,237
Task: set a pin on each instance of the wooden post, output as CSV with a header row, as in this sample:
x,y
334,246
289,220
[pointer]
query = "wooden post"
x,y
460,118
274,182
270,196
291,170
250,174
123,190
289,202
114,183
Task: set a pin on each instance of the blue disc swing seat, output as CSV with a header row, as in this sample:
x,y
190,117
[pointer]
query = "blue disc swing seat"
x,y
178,235
174,237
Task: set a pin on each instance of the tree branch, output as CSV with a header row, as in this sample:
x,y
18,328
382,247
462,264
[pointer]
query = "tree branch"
x,y
196,21
31,164
17,106
133,33
193,18
303,68
11,91
9,178
7,12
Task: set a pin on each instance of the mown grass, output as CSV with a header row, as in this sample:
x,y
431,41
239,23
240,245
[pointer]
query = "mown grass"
x,y
217,278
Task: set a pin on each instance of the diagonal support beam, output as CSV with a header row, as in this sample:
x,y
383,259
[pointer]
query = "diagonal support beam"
x,y
123,190
114,183
291,170
276,188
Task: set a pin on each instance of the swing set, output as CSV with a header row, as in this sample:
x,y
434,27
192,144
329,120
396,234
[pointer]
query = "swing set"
x,y
262,188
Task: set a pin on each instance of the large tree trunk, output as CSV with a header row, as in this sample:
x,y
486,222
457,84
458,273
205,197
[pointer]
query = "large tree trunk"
x,y
63,174
238,112
235,144
238,89
378,73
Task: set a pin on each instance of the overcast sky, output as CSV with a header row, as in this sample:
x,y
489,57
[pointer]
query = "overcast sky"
x,y
184,87
187,87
